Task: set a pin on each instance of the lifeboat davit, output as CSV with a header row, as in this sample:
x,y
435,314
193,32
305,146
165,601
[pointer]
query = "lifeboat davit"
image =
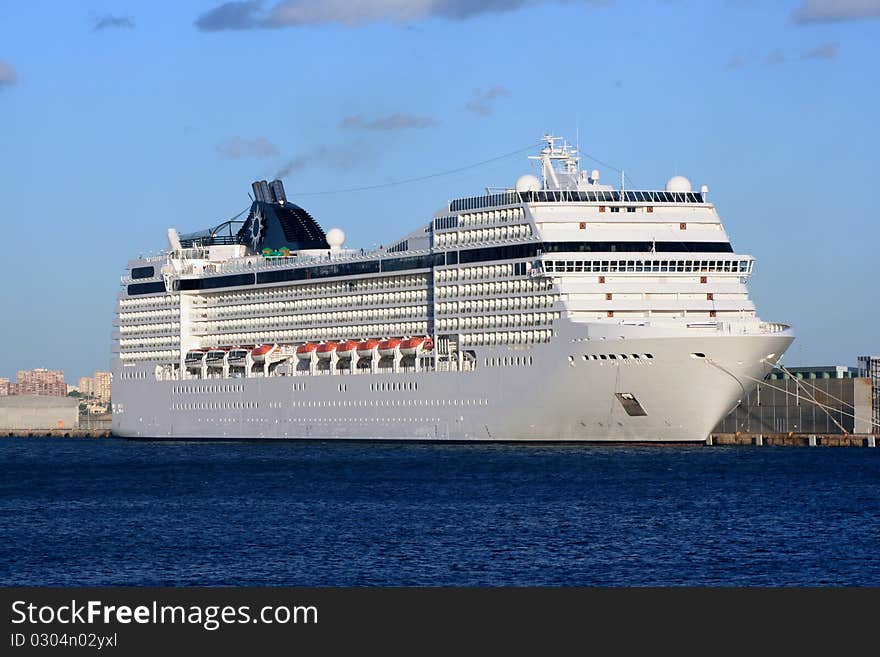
x,y
387,347
366,348
262,352
325,350
305,351
215,357
414,346
347,349
195,358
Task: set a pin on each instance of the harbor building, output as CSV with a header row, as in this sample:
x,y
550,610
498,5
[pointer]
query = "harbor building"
x,y
807,400
35,412
869,367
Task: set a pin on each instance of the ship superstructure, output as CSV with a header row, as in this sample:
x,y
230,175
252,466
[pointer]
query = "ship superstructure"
x,y
557,309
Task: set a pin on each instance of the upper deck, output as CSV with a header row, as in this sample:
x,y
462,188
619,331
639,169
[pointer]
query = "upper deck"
x,y
534,218
513,197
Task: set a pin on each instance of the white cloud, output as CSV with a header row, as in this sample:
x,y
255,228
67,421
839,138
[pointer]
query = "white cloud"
x,y
109,22
482,102
825,51
774,57
820,11
237,148
390,122
8,77
254,14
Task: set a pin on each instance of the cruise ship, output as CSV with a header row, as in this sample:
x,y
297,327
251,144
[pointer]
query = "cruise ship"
x,y
558,309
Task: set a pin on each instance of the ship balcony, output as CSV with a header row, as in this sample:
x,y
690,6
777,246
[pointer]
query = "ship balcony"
x,y
223,327
260,312
153,323
261,298
147,303
165,335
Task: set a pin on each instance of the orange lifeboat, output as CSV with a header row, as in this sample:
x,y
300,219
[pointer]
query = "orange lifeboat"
x,y
366,348
414,346
263,351
387,347
325,350
305,351
347,349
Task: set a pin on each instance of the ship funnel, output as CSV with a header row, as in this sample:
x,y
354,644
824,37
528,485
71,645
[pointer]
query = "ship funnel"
x,y
265,194
277,189
269,192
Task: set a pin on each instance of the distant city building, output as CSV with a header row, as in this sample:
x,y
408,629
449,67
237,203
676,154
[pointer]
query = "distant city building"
x,y
86,386
95,407
41,381
869,367
4,387
101,390
812,400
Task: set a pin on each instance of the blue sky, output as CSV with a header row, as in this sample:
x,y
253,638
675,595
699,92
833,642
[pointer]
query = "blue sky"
x,y
120,119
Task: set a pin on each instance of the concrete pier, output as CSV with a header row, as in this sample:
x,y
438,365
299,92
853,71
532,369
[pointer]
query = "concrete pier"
x,y
714,440
54,433
793,440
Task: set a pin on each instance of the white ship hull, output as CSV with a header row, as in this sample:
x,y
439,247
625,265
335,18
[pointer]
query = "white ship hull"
x,y
560,397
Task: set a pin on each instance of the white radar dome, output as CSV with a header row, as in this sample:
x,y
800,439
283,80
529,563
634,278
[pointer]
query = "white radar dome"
x,y
335,238
678,184
528,183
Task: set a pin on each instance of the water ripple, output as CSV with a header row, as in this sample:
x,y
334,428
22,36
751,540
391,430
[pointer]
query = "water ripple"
x,y
111,512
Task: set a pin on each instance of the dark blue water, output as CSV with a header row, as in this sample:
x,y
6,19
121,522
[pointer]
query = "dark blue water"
x,y
112,512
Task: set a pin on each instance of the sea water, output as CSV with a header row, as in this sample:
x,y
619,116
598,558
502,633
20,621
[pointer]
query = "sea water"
x,y
117,512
